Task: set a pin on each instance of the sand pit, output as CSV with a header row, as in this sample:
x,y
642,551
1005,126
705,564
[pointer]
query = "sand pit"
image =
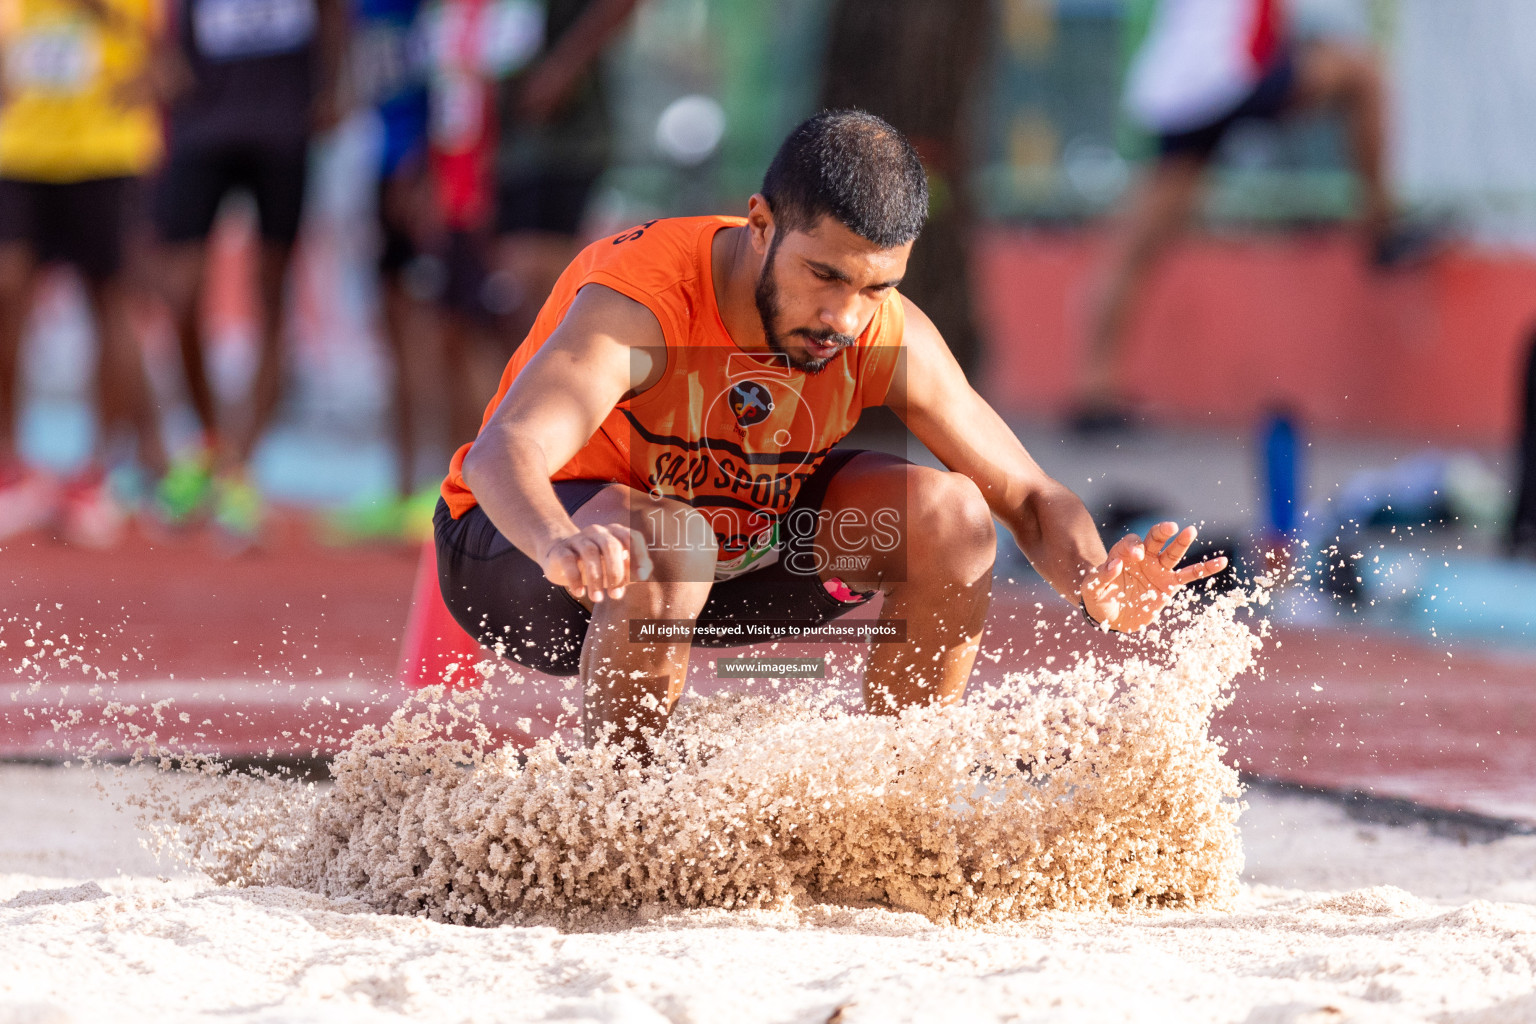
x,y
1064,846
1376,923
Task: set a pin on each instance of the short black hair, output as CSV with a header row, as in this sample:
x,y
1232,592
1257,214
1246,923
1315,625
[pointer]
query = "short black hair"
x,y
855,167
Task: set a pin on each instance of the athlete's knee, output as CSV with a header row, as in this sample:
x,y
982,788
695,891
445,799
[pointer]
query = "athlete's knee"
x,y
950,523
1358,74
674,599
679,539
681,548
1332,73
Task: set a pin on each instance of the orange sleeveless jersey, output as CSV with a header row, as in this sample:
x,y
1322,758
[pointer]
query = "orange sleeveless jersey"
x,y
734,434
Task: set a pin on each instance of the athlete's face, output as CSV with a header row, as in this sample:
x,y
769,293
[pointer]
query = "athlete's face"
x,y
818,290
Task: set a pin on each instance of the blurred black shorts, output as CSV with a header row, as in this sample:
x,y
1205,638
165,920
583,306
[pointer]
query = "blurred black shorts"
x,y
84,223
451,275
196,179
1268,101
396,246
549,202
500,596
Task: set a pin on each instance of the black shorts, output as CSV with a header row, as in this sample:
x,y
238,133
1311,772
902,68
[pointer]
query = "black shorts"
x,y
1268,101
84,223
196,179
549,202
397,247
500,597
452,276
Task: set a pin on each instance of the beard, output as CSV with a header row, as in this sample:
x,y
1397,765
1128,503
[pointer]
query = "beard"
x,y
767,297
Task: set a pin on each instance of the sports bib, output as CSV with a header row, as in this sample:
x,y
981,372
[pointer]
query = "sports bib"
x,y
59,59
236,29
760,551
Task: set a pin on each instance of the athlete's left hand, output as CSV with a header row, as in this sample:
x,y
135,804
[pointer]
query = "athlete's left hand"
x,y
1140,577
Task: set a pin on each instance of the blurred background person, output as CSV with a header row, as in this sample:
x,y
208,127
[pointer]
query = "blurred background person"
x,y
78,127
1203,67
447,80
872,47
260,81
389,75
556,140
473,46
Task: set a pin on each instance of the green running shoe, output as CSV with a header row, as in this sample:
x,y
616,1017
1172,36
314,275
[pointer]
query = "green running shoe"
x,y
416,514
382,519
364,521
237,509
185,491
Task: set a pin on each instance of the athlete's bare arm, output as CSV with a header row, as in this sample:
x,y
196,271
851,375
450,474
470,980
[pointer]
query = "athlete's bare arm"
x,y
331,47
1125,586
608,346
548,84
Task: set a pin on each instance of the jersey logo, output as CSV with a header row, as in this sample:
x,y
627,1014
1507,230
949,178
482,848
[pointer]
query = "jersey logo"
x,y
751,402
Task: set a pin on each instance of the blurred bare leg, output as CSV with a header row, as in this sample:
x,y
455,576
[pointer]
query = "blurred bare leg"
x,y
472,376
454,335
18,270
267,385
402,320
123,396
534,260
181,283
1155,216
406,214
1334,75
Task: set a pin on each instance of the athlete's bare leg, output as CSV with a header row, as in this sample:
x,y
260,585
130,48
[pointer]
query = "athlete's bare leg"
x,y
18,270
403,320
1334,75
467,368
1158,210
533,261
123,396
937,576
267,384
180,283
630,688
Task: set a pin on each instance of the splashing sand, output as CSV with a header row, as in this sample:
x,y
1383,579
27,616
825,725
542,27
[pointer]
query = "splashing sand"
x,y
1093,788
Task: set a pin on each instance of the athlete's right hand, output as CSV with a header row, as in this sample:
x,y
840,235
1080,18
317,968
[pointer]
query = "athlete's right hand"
x,y
598,561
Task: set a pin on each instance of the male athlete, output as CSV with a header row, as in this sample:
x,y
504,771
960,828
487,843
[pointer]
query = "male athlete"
x,y
662,448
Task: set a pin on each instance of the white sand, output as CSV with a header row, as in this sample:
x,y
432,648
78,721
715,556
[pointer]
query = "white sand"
x,y
1338,921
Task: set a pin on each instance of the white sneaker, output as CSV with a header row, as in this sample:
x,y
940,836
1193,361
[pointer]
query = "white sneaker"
x,y
29,501
92,516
